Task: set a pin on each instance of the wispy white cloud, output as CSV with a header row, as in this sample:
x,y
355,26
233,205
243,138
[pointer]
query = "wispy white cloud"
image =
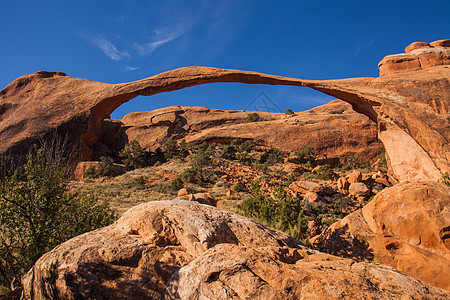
x,y
357,51
128,68
108,48
363,46
147,48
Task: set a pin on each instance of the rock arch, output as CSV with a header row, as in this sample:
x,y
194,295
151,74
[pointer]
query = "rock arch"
x,y
411,108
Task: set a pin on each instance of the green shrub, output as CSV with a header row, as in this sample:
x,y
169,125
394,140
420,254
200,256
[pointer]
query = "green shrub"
x,y
306,154
261,166
176,184
355,162
203,146
324,172
238,187
308,176
281,211
247,146
337,112
170,149
271,157
198,171
288,111
291,178
445,179
90,172
244,158
140,181
106,168
37,212
228,152
133,156
252,117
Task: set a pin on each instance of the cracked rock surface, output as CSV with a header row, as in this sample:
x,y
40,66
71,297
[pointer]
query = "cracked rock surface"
x,y
186,250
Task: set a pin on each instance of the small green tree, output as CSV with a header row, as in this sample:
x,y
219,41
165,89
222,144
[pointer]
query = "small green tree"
x,y
305,154
37,212
238,187
176,184
288,111
171,149
106,168
133,156
253,117
198,172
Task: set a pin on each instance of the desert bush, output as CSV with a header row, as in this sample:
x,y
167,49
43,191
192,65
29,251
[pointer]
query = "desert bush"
x,y
382,158
170,149
176,184
228,152
271,157
247,146
261,166
252,117
198,171
445,179
106,168
37,212
324,172
280,211
338,111
140,181
291,178
306,154
238,187
133,156
355,162
288,111
308,176
244,158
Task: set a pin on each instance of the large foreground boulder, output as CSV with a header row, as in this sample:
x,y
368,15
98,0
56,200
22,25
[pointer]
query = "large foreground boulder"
x,y
406,227
185,250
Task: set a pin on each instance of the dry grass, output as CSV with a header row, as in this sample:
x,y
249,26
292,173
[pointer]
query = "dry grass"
x,y
151,184
134,187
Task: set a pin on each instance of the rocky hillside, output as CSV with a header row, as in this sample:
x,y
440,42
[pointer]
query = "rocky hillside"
x,y
334,129
390,240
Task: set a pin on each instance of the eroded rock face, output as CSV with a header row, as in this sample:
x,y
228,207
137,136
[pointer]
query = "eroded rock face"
x,y
411,108
134,258
406,226
235,272
417,56
185,250
334,129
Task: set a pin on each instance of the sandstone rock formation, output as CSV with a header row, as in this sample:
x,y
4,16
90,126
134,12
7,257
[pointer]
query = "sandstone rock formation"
x,y
417,56
411,108
185,250
406,226
333,129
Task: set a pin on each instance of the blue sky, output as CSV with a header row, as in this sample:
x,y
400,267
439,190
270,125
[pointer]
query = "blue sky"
x,y
121,41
